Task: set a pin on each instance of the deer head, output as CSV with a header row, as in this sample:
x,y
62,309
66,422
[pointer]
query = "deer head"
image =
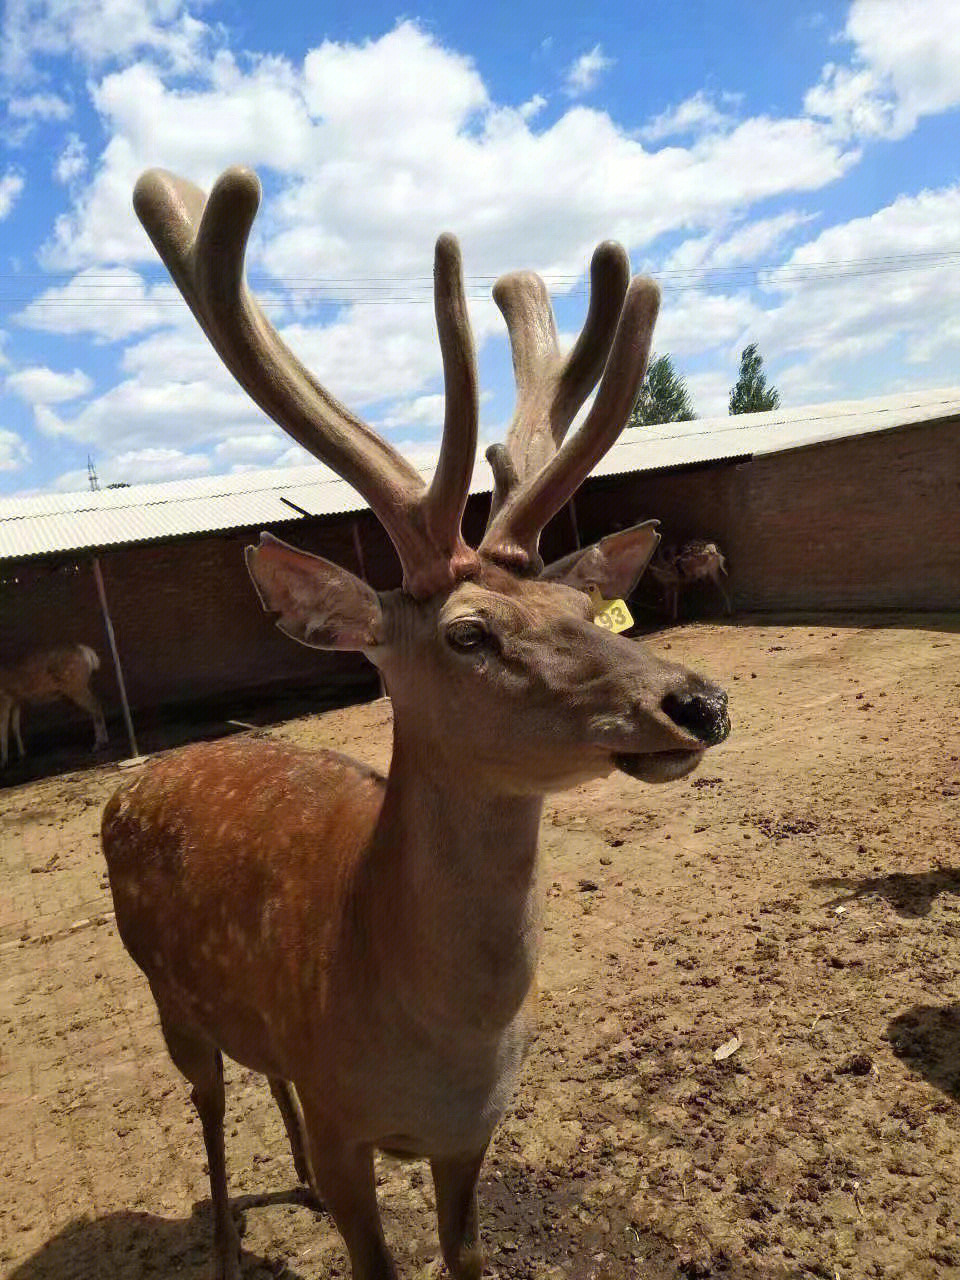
x,y
487,655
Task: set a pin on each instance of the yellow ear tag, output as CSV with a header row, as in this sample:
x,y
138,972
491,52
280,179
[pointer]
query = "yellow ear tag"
x,y
612,615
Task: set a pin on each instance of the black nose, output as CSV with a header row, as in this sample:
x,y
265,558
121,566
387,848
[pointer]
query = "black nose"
x,y
703,713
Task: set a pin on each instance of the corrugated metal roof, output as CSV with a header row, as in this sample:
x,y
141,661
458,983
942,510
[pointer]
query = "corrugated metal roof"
x,y
62,522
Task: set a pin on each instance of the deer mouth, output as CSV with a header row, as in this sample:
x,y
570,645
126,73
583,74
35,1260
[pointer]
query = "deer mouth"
x,y
658,766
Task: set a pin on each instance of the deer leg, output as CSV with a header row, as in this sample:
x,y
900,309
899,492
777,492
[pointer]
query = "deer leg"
x,y
15,722
5,709
86,700
202,1064
725,595
345,1181
458,1219
286,1100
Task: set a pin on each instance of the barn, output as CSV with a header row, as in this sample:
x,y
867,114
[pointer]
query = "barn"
x,y
845,506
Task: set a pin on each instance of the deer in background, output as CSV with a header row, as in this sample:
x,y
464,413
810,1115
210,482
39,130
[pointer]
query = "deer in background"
x,y
370,943
64,672
695,561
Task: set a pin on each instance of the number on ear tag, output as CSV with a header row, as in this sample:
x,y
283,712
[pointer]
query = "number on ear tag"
x,y
612,615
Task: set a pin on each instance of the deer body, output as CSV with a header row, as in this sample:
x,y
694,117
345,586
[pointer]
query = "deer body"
x,y
373,941
346,953
43,677
695,561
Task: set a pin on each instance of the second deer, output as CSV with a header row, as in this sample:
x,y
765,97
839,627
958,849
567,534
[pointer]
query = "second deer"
x,y
64,672
674,568
370,943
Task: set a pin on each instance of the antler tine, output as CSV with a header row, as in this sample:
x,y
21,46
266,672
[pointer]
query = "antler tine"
x,y
550,387
444,501
513,534
609,280
203,244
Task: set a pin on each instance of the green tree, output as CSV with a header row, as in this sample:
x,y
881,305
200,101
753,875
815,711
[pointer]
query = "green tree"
x,y
751,393
664,396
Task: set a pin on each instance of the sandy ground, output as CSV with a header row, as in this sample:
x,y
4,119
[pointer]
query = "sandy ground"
x,y
800,893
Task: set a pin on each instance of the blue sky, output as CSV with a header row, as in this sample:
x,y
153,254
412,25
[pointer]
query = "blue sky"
x,y
790,173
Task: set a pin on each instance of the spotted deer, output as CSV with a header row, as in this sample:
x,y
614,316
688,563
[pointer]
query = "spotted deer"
x,y
44,676
370,943
674,568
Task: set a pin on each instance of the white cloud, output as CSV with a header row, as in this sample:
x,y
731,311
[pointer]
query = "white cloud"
x,y
834,313
136,415
693,321
532,107
40,385
855,102
904,66
109,303
13,451
96,32
850,310
710,391
262,449
11,185
40,106
746,243
421,411
584,72
369,176
696,114
72,161
362,171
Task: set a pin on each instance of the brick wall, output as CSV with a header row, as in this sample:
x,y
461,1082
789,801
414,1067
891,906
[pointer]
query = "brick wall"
x,y
867,523
864,523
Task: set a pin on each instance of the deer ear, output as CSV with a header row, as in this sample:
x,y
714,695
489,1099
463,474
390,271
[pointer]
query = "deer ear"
x,y
613,565
316,602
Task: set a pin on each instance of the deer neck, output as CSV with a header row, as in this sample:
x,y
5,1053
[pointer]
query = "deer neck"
x,y
463,915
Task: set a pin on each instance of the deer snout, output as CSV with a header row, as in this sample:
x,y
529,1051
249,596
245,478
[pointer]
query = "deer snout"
x,y
702,711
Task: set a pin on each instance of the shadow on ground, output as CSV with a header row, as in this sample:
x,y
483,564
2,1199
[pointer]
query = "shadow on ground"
x,y
910,894
927,1039
128,1246
64,747
532,1225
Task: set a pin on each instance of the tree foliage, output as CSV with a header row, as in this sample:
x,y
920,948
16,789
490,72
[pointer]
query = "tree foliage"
x,y
664,396
751,394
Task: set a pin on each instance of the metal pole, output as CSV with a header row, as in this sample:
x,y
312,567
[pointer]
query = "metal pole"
x,y
358,552
571,507
108,623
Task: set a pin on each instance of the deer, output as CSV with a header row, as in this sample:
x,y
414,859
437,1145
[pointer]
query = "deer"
x,y
370,942
674,568
44,676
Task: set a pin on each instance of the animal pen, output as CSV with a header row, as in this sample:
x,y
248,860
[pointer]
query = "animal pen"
x,y
747,1062
830,507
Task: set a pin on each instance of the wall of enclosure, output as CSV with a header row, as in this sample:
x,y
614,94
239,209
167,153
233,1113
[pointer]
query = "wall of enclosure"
x,y
867,522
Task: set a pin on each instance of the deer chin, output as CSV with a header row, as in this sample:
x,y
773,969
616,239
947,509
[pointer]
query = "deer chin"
x,y
658,766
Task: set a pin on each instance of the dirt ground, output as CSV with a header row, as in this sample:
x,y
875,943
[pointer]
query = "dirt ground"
x,y
801,894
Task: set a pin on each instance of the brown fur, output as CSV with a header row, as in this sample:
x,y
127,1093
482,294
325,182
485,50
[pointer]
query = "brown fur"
x,y
370,944
374,941
675,568
43,677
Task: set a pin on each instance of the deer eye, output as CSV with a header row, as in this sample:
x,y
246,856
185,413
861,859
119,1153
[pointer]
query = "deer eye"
x,y
466,635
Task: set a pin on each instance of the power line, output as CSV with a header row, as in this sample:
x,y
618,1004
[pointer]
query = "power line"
x,y
104,290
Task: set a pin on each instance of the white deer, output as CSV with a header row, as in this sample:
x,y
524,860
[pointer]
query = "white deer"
x,y
370,943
